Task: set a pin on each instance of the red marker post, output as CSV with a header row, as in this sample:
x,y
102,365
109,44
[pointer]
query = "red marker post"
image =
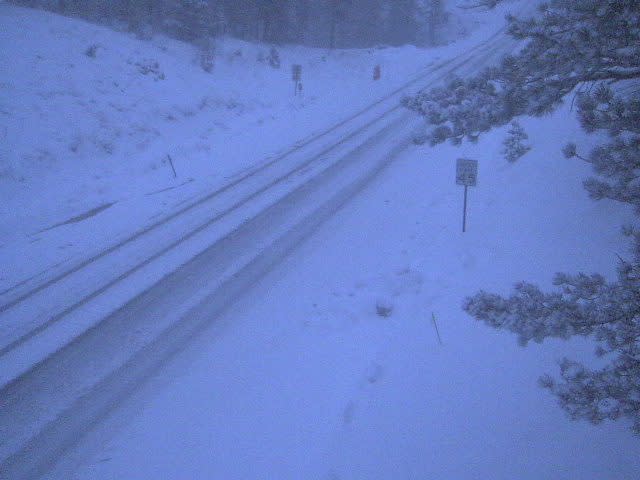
x,y
377,73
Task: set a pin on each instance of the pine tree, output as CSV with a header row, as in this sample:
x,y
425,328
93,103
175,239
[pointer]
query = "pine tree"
x,y
433,17
592,49
514,144
402,22
338,12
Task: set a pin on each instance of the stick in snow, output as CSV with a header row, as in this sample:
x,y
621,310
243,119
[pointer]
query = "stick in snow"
x,y
435,325
175,175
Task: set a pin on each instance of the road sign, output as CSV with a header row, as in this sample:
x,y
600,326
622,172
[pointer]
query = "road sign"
x,y
296,72
466,175
467,172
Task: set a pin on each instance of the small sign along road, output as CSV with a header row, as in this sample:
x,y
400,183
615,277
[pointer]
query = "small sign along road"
x,y
467,172
296,75
466,175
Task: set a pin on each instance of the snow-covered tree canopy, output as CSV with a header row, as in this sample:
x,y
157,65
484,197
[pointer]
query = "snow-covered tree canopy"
x,y
570,44
590,49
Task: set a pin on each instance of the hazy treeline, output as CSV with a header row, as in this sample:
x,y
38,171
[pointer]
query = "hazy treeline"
x,y
323,23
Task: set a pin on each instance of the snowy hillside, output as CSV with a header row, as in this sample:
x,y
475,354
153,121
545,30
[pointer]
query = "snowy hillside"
x,y
103,125
89,116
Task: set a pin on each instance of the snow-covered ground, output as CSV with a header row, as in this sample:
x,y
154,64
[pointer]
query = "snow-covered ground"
x,y
303,378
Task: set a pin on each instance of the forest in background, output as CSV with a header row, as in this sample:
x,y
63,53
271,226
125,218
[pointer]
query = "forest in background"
x,y
318,23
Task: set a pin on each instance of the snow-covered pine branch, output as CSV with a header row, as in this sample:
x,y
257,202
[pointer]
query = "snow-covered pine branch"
x,y
514,145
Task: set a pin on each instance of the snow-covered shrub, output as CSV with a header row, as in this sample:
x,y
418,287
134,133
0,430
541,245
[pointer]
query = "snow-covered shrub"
x,y
274,58
236,54
207,54
384,307
207,61
151,68
91,51
420,135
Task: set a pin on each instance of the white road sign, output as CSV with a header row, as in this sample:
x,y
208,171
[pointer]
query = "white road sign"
x,y
467,172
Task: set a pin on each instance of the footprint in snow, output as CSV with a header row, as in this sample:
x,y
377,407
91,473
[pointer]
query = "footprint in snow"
x,y
374,373
468,261
348,413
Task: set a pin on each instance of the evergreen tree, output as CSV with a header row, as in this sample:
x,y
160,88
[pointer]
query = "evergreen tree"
x,y
433,17
191,20
338,12
402,22
514,144
591,48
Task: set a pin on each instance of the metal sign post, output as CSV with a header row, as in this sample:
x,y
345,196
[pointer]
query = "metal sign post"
x,y
296,74
466,175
